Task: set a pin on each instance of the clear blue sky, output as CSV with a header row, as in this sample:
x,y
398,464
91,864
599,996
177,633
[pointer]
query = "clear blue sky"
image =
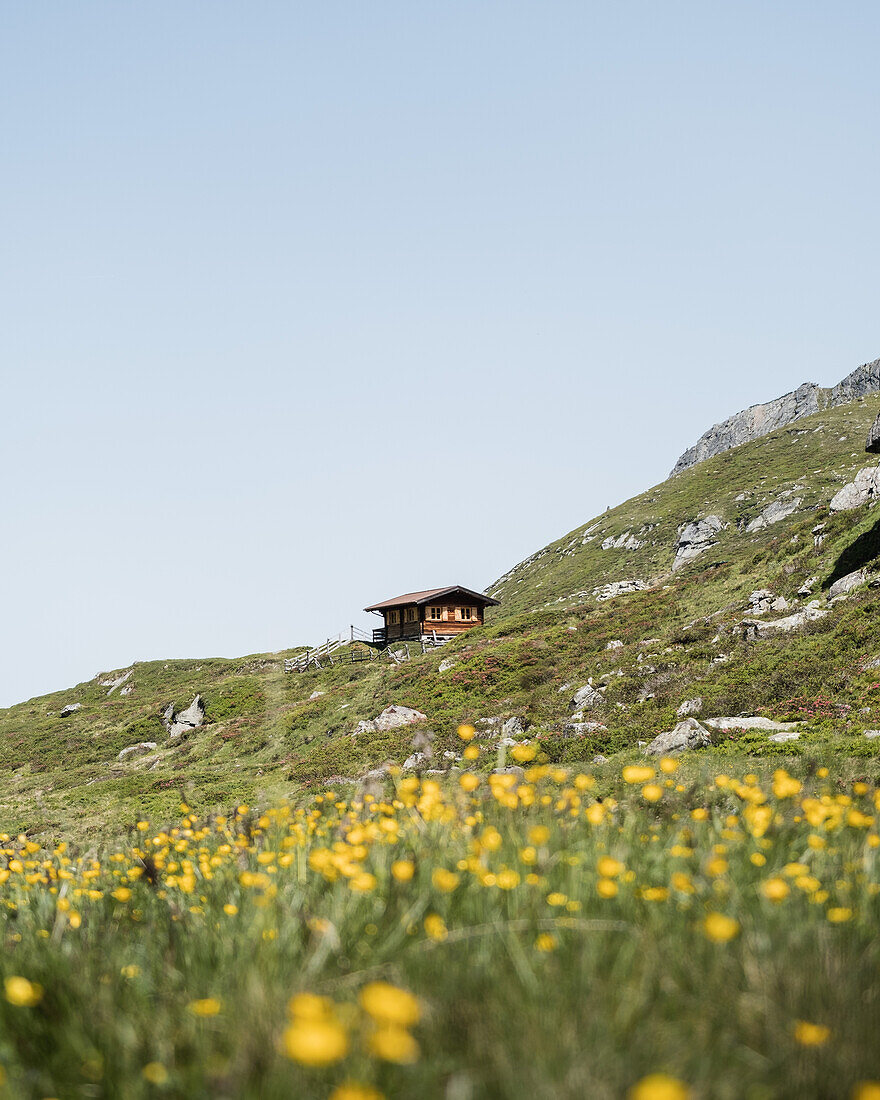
x,y
291,292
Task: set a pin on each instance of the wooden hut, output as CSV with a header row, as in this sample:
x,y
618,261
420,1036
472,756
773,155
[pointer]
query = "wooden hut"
x,y
436,612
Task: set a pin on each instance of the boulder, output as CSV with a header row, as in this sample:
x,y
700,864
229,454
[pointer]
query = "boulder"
x,y
513,727
582,729
586,698
615,644
184,721
695,538
137,750
806,589
447,664
688,734
690,707
846,584
68,709
391,718
779,738
864,490
418,760
872,734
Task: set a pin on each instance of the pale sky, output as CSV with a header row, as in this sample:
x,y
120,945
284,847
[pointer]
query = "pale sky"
x,y
305,305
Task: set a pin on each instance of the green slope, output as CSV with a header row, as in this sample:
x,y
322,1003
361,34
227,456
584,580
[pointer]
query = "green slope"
x,y
265,736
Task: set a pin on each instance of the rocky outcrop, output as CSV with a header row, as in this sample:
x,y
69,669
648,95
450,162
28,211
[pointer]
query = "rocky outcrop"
x,y
754,723
137,750
391,718
864,490
754,628
760,420
872,446
694,538
773,513
688,734
183,721
690,707
70,708
626,541
618,588
846,584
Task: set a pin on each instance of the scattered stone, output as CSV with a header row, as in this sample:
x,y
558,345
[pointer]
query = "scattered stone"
x,y
864,490
872,734
695,538
582,729
137,750
846,584
688,734
806,589
586,697
690,707
616,644
418,760
447,664
773,513
316,695
511,769
68,709
513,726
781,738
183,721
599,758
756,723
391,718
760,601
127,690
626,541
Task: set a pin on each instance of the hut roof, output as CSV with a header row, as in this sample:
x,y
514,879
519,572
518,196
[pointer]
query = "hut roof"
x,y
429,594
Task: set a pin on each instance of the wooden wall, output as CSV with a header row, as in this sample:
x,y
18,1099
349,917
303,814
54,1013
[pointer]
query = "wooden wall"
x,y
449,623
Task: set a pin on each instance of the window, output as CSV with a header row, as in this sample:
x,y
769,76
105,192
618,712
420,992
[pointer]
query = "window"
x,y
466,613
393,618
412,614
435,613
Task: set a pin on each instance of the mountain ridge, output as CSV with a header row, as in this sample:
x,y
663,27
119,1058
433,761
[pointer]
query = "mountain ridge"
x,y
761,419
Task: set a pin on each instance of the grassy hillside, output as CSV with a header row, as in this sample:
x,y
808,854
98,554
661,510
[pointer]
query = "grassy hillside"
x,y
265,736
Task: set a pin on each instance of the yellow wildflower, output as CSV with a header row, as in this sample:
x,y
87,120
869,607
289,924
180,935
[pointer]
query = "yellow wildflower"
x,y
659,1086
637,773
394,1044
811,1035
720,928
207,1006
403,869
22,993
155,1073
389,1005
775,889
315,1042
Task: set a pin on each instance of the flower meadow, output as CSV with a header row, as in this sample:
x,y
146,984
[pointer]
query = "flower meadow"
x,y
673,934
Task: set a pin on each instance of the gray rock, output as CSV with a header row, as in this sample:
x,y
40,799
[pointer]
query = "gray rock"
x,y
626,541
781,738
127,690
773,513
872,446
68,709
599,758
688,734
759,420
806,589
316,695
586,698
756,723
582,729
391,718
754,628
872,734
618,588
846,584
117,682
864,490
511,769
137,750
447,664
513,727
760,601
690,707
418,760
184,721
695,538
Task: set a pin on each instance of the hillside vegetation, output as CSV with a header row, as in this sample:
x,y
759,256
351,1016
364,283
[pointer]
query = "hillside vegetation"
x,y
268,734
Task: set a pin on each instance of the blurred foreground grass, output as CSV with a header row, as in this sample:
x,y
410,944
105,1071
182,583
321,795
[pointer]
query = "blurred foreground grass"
x,y
502,936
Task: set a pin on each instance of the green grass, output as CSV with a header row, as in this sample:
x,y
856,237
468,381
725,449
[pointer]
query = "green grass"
x,y
558,946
